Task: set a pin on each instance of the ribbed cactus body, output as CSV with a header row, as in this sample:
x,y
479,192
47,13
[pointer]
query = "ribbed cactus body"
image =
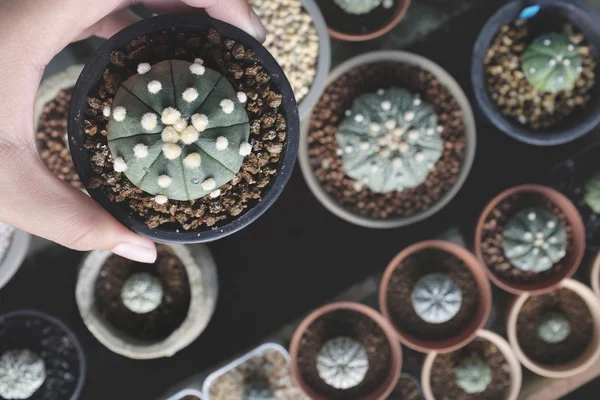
x,y
22,373
554,327
436,298
142,293
592,192
342,363
473,375
358,7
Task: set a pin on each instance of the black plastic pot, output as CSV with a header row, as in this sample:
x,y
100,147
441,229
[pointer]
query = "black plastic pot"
x,y
90,80
33,314
579,123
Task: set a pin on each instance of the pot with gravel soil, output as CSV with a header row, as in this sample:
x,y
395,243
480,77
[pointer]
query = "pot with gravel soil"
x,y
436,296
485,369
184,128
148,311
557,334
362,20
390,142
14,244
407,388
345,351
534,76
530,237
40,358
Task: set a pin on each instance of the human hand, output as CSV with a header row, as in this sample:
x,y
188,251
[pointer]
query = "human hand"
x,y
32,32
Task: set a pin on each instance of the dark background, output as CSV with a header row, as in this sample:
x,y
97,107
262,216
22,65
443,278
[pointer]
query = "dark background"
x,y
298,255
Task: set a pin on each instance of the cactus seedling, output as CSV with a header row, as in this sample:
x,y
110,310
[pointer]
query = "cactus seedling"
x,y
342,363
552,63
534,240
592,192
258,390
473,375
554,327
22,373
390,140
358,7
436,298
178,130
142,293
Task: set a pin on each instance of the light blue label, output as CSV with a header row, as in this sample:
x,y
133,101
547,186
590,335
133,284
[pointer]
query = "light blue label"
x,y
529,12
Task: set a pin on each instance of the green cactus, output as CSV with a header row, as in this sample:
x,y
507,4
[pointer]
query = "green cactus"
x,y
534,240
342,363
390,140
473,375
258,390
142,293
554,327
592,192
436,298
552,63
358,7
178,130
22,373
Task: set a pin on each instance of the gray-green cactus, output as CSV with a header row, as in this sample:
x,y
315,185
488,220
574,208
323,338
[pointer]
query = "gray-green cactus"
x,y
554,327
178,130
592,192
22,373
436,298
258,390
534,240
390,140
473,375
552,63
358,7
142,293
342,363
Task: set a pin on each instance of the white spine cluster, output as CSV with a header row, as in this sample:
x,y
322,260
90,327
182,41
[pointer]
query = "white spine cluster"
x,y
200,122
120,165
119,113
227,106
245,149
190,94
222,143
143,68
149,121
140,150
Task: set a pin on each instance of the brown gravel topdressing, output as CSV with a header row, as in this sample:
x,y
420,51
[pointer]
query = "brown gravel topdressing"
x,y
573,308
358,327
491,241
329,113
408,273
443,375
268,127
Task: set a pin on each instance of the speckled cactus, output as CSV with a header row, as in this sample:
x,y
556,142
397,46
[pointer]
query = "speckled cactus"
x,y
142,293
358,7
342,363
534,240
554,327
592,192
22,373
178,130
552,63
390,140
258,390
436,298
473,375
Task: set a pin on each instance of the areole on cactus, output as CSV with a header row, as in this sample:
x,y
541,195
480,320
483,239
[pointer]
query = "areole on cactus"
x,y
473,375
22,373
552,63
178,130
390,140
436,298
554,327
358,7
142,293
258,390
342,363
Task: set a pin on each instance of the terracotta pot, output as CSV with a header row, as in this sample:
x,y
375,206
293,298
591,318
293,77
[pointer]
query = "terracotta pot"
x,y
572,259
594,271
507,352
390,382
589,356
484,304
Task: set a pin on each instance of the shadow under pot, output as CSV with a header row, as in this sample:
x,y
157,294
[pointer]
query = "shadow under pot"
x,y
530,237
345,351
40,358
436,296
557,334
146,311
407,388
390,142
534,76
486,368
184,128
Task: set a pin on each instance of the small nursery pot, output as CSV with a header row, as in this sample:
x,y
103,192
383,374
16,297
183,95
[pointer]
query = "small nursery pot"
x,y
186,394
56,349
399,57
91,78
580,15
575,367
484,304
386,387
573,258
15,254
501,344
202,276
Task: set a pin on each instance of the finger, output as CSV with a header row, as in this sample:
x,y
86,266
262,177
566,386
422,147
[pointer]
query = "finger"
x,y
110,25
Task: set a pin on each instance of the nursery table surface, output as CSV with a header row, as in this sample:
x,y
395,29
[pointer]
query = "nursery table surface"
x,y
298,255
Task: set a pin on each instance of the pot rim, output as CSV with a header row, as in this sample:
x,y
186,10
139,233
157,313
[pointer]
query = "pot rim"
x,y
14,256
572,216
470,331
390,382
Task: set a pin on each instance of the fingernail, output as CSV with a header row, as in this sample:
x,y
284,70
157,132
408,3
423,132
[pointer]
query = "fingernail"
x,y
136,252
260,33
